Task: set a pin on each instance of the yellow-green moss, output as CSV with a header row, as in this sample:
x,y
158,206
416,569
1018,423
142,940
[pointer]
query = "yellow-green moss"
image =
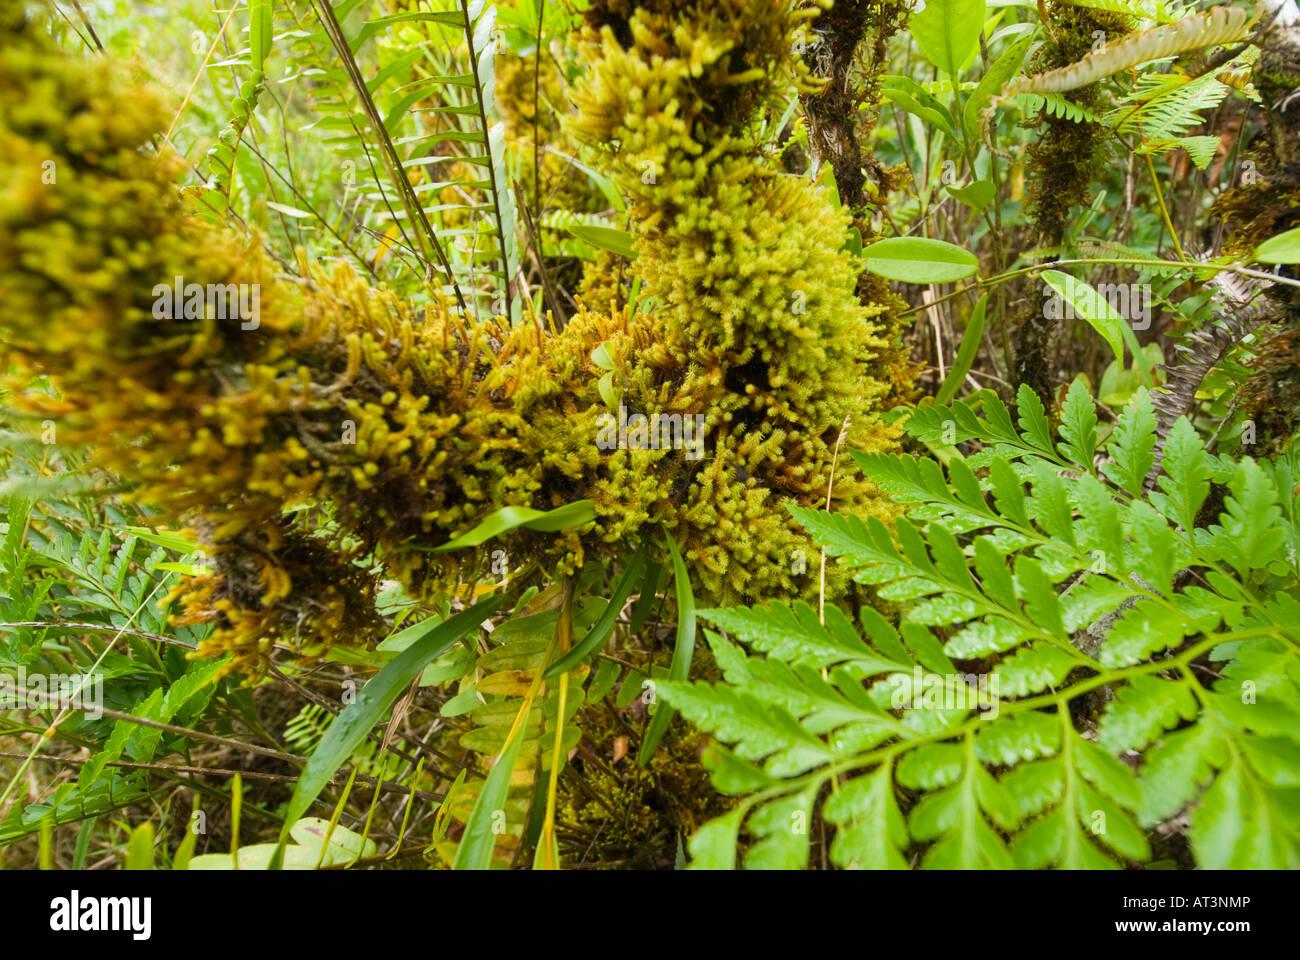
x,y
350,427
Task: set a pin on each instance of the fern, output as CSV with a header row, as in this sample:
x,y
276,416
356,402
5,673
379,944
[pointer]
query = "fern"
x,y
1056,105
1214,27
1057,621
1159,11
1167,105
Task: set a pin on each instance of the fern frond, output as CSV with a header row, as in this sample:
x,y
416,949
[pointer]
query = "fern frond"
x,y
1046,579
1157,10
1055,105
1214,27
1166,106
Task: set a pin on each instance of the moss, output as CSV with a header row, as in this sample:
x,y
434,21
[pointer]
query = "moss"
x,y
349,429
1066,157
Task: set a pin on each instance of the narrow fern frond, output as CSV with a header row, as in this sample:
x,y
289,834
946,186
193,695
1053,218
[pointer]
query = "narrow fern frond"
x,y
1214,27
1055,105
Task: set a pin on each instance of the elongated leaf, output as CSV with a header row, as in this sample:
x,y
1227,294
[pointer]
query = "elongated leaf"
x,y
599,634
919,260
512,518
1284,248
970,344
947,32
683,651
605,238
480,836
350,728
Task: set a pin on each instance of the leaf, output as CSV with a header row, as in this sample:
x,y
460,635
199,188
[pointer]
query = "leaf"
x,y
947,32
870,830
683,650
1142,710
1132,445
906,93
976,195
794,634
575,514
1185,477
756,730
139,849
287,210
1146,628
919,260
605,238
1284,248
353,724
994,79
713,847
479,839
1079,425
1249,534
599,634
1091,306
970,345
1240,824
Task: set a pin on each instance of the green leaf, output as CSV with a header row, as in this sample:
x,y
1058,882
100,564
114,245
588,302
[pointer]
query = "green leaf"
x,y
139,849
1144,629
1079,425
683,650
1033,669
1185,477
479,839
1038,594
1092,307
795,634
948,31
605,238
782,829
1284,248
1033,419
600,632
755,729
870,830
1143,710
976,195
1018,738
1132,445
353,724
713,847
1240,824
288,211
906,93
991,84
502,521
1249,534
919,260
970,345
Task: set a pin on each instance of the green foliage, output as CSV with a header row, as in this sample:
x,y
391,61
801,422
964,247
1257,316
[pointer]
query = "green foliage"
x,y
1081,656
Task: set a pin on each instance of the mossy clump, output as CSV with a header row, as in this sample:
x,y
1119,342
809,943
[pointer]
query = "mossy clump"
x,y
755,293
342,431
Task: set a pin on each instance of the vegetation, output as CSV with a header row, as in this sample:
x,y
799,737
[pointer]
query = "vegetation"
x,y
598,434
